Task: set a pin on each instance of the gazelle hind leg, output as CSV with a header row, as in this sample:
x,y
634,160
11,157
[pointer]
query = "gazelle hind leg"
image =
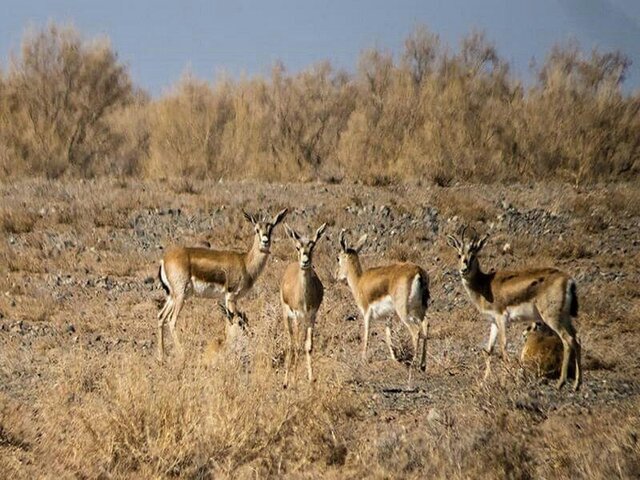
x,y
162,318
569,345
577,351
175,311
424,330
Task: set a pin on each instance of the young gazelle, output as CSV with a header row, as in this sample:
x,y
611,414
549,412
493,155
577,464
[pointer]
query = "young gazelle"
x,y
301,294
542,351
235,332
545,294
206,272
402,288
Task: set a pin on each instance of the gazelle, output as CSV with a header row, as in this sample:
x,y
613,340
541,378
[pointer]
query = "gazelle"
x,y
301,294
542,351
235,334
544,294
205,272
401,288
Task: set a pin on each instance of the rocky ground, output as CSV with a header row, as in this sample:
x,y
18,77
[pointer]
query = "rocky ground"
x,y
78,265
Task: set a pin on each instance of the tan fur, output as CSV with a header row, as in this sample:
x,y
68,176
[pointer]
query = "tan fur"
x,y
542,351
541,294
301,294
234,340
205,272
391,289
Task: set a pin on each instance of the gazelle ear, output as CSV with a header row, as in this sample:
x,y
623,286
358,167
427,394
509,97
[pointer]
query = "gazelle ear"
x,y
250,218
479,244
360,244
343,241
227,314
453,242
292,233
319,232
278,218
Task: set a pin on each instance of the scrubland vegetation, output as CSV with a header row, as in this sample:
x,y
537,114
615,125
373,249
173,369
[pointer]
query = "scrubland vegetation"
x,y
81,394
97,179
439,113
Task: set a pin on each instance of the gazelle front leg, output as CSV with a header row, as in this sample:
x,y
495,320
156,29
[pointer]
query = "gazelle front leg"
x,y
493,335
288,357
230,301
365,342
308,348
502,332
387,330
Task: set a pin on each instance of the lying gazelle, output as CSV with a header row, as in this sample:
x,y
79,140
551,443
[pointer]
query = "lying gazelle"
x,y
544,294
402,288
301,294
542,351
235,331
206,272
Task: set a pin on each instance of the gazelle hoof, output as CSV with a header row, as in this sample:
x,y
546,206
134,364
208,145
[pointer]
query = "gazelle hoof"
x,y
560,384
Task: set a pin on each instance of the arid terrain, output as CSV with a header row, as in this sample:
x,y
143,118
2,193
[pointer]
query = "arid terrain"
x,y
81,394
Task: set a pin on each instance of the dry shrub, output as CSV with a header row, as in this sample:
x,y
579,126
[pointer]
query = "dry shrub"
x,y
55,99
189,420
434,112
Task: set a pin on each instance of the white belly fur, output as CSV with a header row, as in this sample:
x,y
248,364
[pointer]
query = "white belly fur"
x,y
524,311
382,307
205,289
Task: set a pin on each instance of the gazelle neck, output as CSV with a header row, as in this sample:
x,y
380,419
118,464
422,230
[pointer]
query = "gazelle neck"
x,y
304,274
255,259
477,282
354,272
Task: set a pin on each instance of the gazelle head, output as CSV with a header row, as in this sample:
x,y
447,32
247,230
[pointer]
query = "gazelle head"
x,y
264,228
236,322
348,255
467,250
305,246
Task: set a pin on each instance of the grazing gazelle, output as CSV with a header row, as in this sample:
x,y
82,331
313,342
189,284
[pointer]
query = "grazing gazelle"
x,y
206,272
545,294
235,335
301,294
402,288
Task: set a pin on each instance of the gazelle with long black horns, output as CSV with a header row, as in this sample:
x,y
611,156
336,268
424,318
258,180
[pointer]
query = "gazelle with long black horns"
x,y
537,294
401,288
301,294
205,272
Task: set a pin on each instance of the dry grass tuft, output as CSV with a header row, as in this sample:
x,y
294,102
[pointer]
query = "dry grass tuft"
x,y
17,221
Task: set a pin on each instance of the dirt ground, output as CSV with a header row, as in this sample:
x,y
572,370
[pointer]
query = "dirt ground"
x,y
82,396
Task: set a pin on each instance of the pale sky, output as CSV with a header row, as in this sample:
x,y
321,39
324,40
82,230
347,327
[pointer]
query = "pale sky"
x,y
160,39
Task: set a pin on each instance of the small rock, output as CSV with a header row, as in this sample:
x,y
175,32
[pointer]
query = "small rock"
x,y
434,416
71,328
